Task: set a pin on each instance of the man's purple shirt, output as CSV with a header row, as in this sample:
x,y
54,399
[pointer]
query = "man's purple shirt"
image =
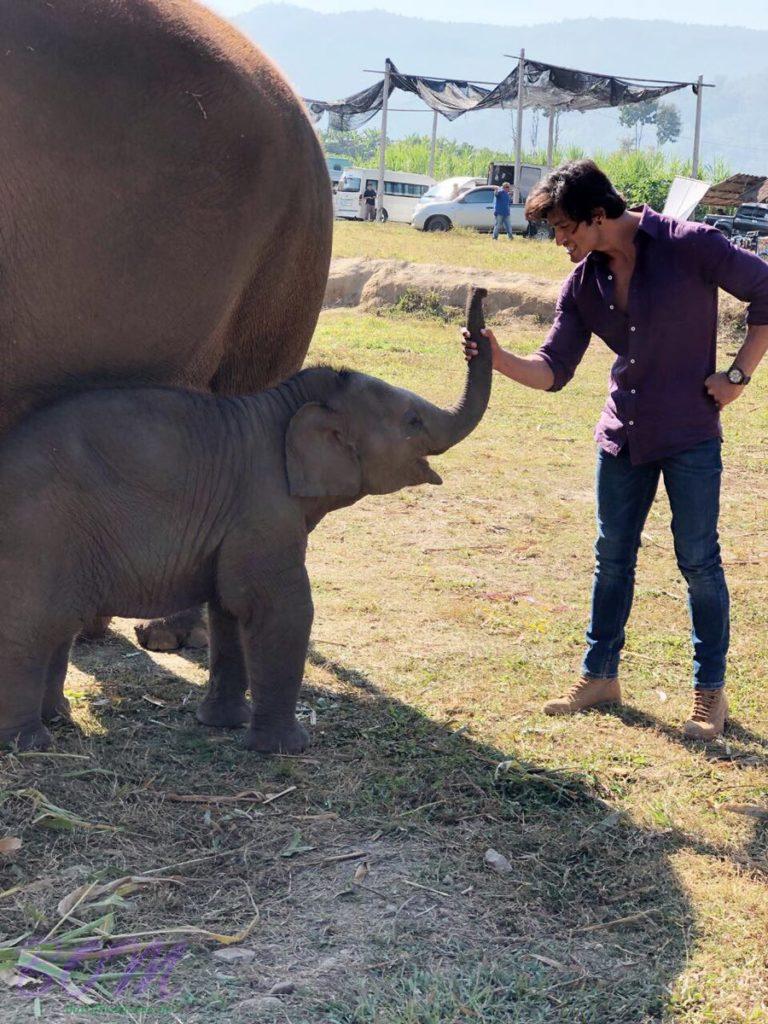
x,y
665,343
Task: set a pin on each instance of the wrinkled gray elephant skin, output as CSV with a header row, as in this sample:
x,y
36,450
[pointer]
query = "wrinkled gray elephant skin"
x,y
141,501
165,208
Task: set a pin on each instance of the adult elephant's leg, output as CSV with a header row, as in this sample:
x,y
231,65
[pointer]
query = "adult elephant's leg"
x,y
183,629
225,705
96,629
22,687
55,704
275,641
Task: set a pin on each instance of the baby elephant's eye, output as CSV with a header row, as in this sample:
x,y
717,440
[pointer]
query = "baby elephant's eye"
x,y
415,421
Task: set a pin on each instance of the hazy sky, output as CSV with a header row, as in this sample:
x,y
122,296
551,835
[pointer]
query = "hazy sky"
x,y
750,13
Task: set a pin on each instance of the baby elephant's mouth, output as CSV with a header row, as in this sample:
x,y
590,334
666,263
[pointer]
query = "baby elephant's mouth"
x,y
428,475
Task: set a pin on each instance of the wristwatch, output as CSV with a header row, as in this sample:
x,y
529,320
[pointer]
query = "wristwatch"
x,y
737,376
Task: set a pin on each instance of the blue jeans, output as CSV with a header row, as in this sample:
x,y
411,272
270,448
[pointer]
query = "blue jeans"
x,y
502,224
624,496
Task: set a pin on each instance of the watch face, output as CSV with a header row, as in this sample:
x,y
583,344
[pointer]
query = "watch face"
x,y
735,376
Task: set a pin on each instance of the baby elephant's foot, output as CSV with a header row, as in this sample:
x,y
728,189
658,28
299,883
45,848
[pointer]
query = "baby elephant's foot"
x,y
224,714
33,736
277,737
57,710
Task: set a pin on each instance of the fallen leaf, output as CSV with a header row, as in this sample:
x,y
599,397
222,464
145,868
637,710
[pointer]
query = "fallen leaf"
x,y
9,845
295,846
361,872
119,887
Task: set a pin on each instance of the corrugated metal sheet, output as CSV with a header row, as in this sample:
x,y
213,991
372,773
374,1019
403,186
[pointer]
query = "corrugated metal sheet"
x,y
739,188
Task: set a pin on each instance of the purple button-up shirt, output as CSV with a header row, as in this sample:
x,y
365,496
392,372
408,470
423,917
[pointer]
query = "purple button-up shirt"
x,y
665,342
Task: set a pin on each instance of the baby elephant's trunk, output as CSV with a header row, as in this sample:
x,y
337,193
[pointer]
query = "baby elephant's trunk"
x,y
453,425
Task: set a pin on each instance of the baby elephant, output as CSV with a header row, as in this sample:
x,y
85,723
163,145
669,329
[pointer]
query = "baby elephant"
x,y
140,501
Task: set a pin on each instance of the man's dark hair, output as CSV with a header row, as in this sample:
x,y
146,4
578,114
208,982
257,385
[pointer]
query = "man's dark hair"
x,y
578,189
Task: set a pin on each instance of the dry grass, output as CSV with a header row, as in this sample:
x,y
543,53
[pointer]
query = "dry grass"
x,y
444,617
460,247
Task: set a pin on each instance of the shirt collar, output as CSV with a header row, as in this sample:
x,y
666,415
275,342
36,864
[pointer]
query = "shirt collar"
x,y
649,220
649,225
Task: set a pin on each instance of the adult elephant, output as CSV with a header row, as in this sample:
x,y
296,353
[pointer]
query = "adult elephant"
x,y
165,209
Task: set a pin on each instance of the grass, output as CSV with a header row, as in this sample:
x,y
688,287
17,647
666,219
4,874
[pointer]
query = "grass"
x,y
460,247
444,617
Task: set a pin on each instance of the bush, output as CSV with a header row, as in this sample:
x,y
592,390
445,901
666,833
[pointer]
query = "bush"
x,y
426,305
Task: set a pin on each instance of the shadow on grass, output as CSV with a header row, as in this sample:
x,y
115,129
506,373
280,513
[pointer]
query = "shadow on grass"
x,y
739,744
588,923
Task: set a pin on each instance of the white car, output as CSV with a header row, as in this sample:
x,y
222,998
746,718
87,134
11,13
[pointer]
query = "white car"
x,y
448,189
472,209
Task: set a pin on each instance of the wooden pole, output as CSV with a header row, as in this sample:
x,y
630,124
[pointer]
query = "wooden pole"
x,y
519,138
697,132
551,137
432,147
383,139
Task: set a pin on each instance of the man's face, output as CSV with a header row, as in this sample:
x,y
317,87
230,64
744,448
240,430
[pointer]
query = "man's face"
x,y
578,239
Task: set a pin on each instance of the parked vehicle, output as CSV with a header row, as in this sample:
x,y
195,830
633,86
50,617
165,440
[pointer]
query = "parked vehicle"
x,y
530,175
448,189
336,165
472,209
401,192
749,217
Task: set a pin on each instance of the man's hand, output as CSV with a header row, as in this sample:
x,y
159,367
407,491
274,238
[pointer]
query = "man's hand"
x,y
470,348
721,391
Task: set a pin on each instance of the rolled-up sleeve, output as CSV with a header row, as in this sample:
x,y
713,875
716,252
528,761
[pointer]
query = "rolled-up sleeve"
x,y
737,271
567,340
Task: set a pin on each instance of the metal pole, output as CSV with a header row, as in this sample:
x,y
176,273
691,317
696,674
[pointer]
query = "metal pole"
x,y
383,139
697,132
432,147
519,139
551,137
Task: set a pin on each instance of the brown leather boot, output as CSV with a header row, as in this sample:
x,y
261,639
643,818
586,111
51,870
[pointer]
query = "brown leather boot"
x,y
587,693
710,714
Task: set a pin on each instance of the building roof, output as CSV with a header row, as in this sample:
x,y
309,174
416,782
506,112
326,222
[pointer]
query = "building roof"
x,y
739,188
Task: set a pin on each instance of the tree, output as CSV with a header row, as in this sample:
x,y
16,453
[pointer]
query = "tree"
x,y
668,123
637,116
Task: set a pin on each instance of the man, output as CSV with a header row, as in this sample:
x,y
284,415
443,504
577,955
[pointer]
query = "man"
x,y
647,285
501,202
369,202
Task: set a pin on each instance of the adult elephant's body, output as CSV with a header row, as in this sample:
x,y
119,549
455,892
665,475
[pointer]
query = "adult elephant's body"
x,y
165,212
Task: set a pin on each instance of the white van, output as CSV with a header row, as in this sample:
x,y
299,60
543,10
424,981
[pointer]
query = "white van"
x,y
401,190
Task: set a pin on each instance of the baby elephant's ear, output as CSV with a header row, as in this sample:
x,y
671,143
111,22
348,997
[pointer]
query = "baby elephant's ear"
x,y
321,461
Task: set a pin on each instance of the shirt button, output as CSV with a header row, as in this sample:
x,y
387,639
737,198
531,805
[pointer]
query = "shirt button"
x,y
611,307
633,328
633,392
610,277
631,423
631,360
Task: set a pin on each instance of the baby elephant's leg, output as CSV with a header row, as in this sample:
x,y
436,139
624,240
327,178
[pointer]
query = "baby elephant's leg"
x,y
225,705
55,704
275,639
182,629
22,687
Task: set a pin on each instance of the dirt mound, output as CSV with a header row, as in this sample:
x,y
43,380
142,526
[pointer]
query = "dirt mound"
x,y
372,284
